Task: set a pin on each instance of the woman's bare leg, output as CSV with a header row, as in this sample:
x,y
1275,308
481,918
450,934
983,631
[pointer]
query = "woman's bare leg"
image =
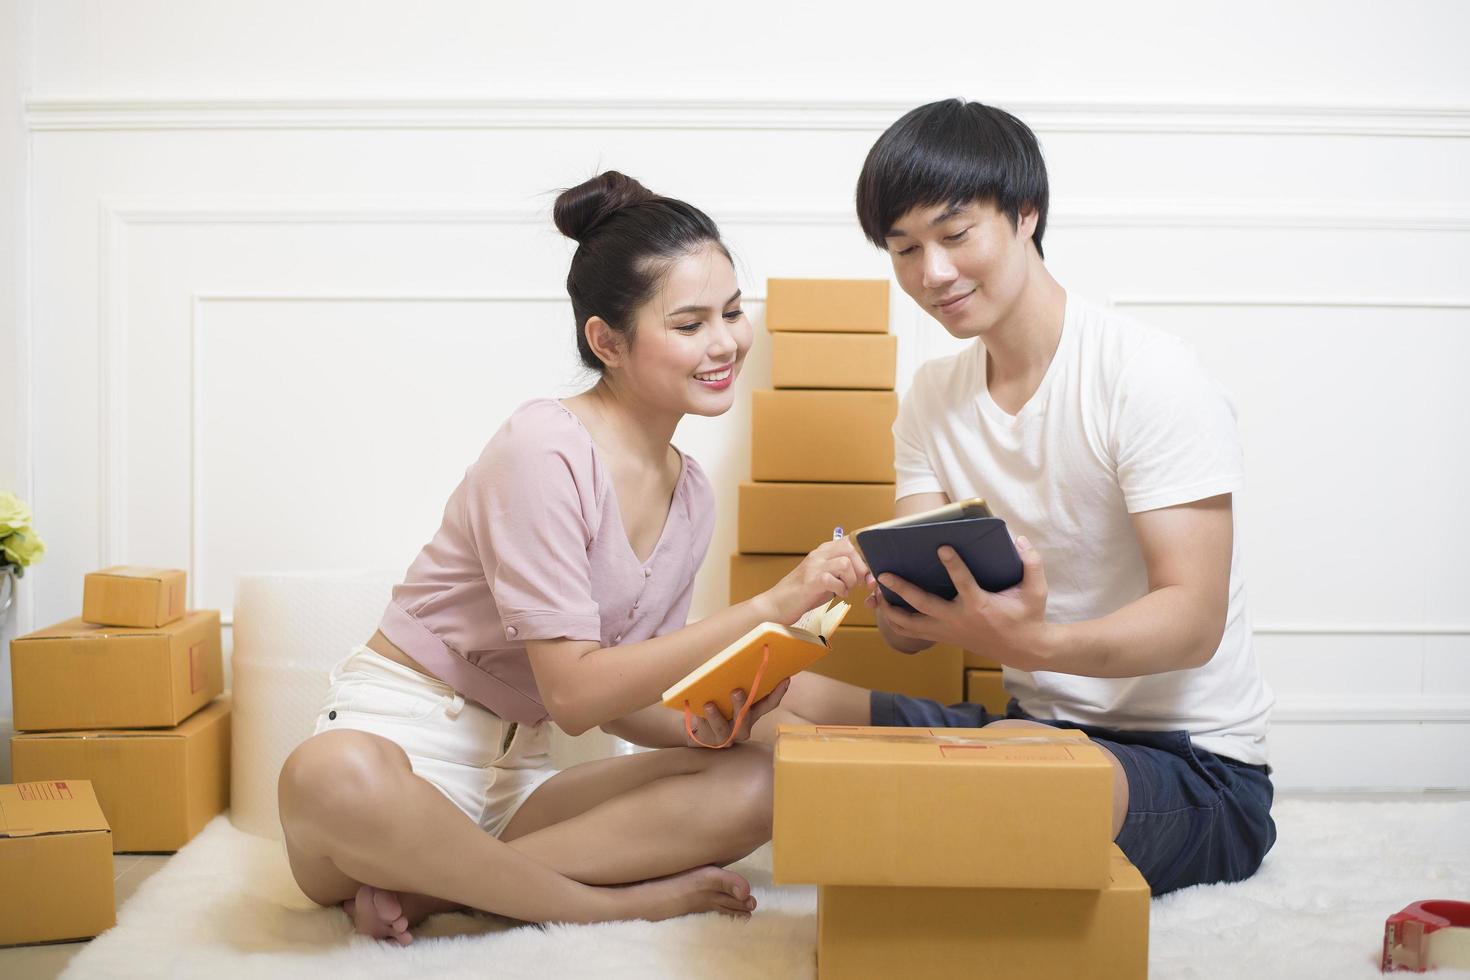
x,y
652,813
354,813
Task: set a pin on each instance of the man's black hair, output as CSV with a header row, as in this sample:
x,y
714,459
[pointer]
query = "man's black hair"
x,y
952,152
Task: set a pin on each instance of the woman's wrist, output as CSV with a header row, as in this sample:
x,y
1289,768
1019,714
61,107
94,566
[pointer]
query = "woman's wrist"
x,y
766,608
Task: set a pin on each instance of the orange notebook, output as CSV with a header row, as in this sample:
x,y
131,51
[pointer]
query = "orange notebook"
x,y
792,650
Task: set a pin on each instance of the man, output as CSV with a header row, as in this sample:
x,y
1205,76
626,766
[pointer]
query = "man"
x,y
1112,456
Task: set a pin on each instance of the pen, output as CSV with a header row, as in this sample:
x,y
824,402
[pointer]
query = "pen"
x,y
837,533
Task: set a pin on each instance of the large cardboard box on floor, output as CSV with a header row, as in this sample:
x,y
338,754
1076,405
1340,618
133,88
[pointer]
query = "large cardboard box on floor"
x,y
55,863
861,656
827,305
822,436
157,787
999,934
942,807
834,360
750,575
128,596
76,675
793,518
984,687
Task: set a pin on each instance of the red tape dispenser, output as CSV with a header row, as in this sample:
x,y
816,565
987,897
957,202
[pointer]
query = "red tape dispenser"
x,y
1427,934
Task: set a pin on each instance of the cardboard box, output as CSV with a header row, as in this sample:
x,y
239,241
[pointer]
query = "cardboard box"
x,y
75,675
822,436
127,596
984,687
999,934
861,656
793,518
827,305
950,808
55,863
157,787
834,360
750,575
980,662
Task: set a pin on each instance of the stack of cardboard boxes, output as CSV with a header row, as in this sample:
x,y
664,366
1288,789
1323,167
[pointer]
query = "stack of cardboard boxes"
x,y
822,458
958,852
126,698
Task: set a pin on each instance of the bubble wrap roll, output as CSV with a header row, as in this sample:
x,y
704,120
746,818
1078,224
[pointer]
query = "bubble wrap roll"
x,y
290,629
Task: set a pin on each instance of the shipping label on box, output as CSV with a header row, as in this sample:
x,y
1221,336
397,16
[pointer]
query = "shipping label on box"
x,y
55,863
76,675
750,575
157,787
986,688
125,595
793,518
827,305
822,436
834,360
999,934
953,808
861,656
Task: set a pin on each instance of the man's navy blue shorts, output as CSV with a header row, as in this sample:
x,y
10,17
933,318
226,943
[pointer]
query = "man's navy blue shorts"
x,y
1194,817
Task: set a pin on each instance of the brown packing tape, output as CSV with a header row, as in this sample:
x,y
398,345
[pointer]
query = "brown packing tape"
x,y
926,736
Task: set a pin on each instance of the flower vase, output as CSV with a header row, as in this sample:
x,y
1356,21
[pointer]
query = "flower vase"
x,y
7,593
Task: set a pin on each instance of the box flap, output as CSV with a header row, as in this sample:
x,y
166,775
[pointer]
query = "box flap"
x,y
133,571
975,746
80,629
198,720
58,806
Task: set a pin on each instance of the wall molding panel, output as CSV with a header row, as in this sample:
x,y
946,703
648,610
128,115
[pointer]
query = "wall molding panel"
x,y
234,273
104,113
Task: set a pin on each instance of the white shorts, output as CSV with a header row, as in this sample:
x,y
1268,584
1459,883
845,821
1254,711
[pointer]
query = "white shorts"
x,y
487,766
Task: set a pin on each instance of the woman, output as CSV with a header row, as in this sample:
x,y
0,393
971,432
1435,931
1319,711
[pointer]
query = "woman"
x,y
557,589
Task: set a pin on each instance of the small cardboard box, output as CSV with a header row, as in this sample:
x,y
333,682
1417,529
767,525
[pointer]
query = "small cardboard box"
x,y
793,518
75,675
127,596
834,360
55,863
822,436
984,687
946,807
999,934
980,661
860,656
751,575
157,787
827,305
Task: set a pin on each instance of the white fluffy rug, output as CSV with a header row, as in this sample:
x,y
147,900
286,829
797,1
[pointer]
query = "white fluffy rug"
x,y
226,906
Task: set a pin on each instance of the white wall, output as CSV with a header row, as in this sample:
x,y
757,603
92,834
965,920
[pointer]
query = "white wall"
x,y
13,379
289,264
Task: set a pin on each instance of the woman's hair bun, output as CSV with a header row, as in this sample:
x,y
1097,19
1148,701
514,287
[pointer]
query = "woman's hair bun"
x,y
580,210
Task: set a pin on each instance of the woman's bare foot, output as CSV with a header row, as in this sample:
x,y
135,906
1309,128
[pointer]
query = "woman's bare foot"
x,y
377,913
708,889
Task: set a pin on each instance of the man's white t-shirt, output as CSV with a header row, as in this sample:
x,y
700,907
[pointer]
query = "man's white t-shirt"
x,y
1125,420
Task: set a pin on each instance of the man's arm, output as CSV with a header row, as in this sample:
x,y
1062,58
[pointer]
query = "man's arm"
x,y
906,506
1177,625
